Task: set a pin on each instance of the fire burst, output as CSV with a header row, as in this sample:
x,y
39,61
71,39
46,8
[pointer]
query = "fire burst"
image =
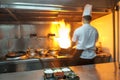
x,y
64,35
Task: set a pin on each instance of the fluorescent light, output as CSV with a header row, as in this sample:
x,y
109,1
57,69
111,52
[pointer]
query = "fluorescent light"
x,y
35,4
31,6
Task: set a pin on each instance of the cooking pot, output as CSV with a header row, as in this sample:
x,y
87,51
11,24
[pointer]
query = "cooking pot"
x,y
53,52
41,51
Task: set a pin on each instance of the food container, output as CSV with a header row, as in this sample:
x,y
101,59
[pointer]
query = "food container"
x,y
48,73
70,75
65,69
63,73
58,74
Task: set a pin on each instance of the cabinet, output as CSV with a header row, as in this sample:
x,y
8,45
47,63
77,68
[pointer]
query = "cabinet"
x,y
20,65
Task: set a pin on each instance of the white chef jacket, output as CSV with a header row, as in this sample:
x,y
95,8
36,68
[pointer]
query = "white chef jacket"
x,y
86,37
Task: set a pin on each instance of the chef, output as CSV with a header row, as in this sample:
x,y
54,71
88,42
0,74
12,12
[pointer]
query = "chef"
x,y
85,38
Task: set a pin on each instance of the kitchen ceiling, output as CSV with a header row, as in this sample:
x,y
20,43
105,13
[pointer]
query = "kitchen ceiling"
x,y
40,11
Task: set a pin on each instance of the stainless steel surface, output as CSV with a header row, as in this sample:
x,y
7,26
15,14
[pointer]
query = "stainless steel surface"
x,y
33,12
87,72
41,62
25,13
19,65
17,37
65,3
21,15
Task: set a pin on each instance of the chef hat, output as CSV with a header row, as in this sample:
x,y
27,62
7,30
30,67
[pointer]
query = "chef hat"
x,y
87,10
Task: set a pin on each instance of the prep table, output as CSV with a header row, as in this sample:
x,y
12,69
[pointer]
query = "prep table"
x,y
103,71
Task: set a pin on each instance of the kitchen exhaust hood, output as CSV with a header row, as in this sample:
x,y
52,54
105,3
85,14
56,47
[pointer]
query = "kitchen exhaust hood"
x,y
41,11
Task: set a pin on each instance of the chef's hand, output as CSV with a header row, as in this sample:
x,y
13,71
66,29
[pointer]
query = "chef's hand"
x,y
71,48
71,51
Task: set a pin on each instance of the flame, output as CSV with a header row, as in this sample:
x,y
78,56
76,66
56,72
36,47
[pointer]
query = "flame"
x,y
53,40
64,37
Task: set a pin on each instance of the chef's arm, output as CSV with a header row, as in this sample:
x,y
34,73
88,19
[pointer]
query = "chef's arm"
x,y
72,49
73,44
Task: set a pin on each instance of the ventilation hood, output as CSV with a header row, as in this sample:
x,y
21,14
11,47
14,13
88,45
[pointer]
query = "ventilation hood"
x,y
41,11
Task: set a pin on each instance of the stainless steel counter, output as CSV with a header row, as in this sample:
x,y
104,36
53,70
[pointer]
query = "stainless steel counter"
x,y
19,65
41,63
9,66
104,71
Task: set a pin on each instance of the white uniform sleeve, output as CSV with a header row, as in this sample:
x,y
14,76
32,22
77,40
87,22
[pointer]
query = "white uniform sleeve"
x,y
75,37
